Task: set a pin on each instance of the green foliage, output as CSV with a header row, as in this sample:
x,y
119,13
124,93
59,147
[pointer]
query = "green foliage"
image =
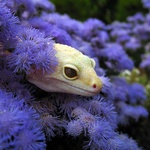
x,y
127,8
76,9
105,10
83,9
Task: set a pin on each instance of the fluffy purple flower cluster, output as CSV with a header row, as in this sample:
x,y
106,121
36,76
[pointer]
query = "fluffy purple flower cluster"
x,y
28,116
134,37
146,3
19,124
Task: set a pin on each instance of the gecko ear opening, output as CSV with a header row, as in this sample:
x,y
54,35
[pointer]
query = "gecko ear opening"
x,y
70,72
93,63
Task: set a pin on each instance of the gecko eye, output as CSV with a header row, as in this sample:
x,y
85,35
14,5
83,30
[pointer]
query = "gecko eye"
x,y
70,72
93,63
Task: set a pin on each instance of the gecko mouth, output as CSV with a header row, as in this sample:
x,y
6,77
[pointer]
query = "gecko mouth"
x,y
57,85
69,88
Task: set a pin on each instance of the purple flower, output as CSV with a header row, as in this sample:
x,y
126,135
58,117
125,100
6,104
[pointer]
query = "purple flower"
x,y
132,93
69,102
127,111
39,23
83,118
146,3
74,128
103,137
11,83
136,93
57,34
91,26
119,25
44,4
15,5
146,61
100,71
8,27
120,89
51,125
116,143
54,18
30,6
60,36
120,142
121,35
84,47
100,108
44,105
19,124
33,52
106,91
136,18
115,57
31,137
142,31
50,122
128,143
148,18
4,144
11,120
100,133
73,27
64,22
147,47
78,112
133,43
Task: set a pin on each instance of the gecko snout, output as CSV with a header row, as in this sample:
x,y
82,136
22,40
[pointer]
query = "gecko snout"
x,y
96,85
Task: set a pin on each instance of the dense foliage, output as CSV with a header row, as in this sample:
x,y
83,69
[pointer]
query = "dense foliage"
x,y
106,10
33,119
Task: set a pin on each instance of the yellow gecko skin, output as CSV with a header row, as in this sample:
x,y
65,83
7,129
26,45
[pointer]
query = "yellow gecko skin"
x,y
74,74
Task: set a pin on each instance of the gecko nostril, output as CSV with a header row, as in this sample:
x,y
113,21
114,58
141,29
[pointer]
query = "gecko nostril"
x,y
94,86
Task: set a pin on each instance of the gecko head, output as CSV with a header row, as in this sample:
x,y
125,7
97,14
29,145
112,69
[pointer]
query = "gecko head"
x,y
74,74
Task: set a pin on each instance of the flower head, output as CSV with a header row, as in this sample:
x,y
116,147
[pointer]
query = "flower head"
x,y
100,133
106,91
146,3
71,26
138,17
16,5
44,4
131,143
31,137
51,125
145,62
19,124
102,109
69,103
142,31
121,35
120,89
133,44
137,93
127,111
33,52
8,27
116,58
92,27
74,128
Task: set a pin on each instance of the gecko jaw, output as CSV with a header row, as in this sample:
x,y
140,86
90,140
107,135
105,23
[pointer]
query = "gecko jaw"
x,y
61,86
